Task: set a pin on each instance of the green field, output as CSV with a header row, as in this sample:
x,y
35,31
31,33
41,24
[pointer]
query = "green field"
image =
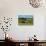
x,y
25,21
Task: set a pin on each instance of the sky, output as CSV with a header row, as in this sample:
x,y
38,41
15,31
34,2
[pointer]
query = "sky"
x,y
25,16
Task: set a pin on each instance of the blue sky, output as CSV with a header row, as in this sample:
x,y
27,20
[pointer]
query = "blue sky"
x,y
25,16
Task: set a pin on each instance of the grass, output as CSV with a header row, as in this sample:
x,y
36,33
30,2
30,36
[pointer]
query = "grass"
x,y
25,21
